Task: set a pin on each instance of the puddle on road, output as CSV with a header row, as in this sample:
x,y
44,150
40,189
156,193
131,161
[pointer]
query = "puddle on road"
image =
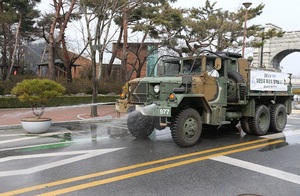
x,y
95,130
67,134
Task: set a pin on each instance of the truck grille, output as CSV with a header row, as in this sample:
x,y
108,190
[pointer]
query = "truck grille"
x,y
139,92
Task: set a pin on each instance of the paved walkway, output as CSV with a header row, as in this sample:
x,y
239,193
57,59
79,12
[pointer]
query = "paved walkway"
x,y
10,117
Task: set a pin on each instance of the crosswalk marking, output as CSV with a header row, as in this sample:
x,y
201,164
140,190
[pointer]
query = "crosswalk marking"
x,y
81,155
259,168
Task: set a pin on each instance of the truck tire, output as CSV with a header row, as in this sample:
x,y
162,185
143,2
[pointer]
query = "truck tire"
x,y
278,118
245,125
260,123
232,89
186,127
140,126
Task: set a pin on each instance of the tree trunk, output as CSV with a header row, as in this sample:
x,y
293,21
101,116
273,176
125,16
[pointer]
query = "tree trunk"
x,y
51,62
125,48
66,59
4,51
114,54
94,65
15,49
94,112
52,41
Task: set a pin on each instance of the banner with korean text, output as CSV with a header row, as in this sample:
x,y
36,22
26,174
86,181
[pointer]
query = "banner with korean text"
x,y
268,81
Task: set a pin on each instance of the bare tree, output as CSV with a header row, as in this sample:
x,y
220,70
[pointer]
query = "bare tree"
x,y
99,17
53,40
13,55
146,17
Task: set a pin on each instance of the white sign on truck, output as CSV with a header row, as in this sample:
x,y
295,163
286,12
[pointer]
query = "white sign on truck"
x,y
268,81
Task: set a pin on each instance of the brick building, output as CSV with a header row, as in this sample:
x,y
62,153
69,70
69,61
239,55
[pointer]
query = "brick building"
x,y
142,59
135,60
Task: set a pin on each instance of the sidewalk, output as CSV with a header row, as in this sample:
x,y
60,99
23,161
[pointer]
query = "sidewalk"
x,y
12,117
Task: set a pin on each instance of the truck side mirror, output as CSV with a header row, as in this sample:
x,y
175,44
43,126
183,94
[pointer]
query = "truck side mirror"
x,y
218,64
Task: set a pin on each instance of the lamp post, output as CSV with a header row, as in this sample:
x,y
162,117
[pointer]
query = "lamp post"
x,y
246,5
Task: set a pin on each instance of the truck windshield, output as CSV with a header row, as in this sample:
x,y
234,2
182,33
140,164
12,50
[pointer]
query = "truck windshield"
x,y
171,68
191,65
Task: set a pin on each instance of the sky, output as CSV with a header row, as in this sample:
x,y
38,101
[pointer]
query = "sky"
x,y
284,14
281,13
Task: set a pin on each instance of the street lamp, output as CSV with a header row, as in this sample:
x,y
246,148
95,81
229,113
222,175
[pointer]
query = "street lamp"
x,y
246,5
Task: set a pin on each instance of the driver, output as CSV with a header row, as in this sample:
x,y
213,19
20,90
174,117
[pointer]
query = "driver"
x,y
210,69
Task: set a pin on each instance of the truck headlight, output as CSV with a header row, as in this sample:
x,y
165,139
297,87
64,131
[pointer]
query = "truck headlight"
x,y
156,88
122,95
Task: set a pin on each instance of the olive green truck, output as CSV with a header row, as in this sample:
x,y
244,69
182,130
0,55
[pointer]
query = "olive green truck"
x,y
208,90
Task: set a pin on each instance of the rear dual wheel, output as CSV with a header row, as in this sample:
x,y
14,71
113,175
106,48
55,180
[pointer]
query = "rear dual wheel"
x,y
260,123
265,119
278,118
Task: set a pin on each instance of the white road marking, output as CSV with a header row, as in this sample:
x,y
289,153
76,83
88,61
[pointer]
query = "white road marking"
x,y
17,140
31,137
55,143
259,168
84,154
12,135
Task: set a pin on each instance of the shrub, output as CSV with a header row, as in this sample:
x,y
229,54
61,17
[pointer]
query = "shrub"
x,y
37,92
77,86
65,100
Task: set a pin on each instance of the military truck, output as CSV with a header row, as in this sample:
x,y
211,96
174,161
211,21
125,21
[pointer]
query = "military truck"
x,y
207,90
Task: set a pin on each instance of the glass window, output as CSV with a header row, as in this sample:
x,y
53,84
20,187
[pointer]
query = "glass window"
x,y
191,66
171,68
210,68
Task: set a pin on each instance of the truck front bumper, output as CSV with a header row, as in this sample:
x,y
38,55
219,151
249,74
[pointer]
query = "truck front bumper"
x,y
122,106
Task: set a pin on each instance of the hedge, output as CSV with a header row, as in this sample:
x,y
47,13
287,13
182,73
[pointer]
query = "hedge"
x,y
13,102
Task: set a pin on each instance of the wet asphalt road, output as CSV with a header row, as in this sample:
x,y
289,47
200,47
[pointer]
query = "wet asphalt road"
x,y
98,159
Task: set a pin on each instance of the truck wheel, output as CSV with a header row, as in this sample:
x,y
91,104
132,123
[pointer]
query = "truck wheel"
x,y
245,125
260,123
140,126
186,127
232,89
278,118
